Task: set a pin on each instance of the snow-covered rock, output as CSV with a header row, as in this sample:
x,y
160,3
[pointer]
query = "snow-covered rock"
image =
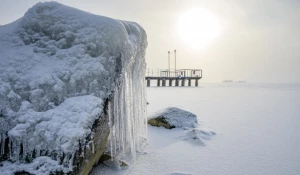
x,y
173,117
68,77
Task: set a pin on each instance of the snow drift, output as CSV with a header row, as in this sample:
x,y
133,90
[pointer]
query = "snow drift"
x,y
59,68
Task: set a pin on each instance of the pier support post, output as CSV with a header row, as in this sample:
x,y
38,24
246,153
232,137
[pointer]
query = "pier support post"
x,y
176,82
148,83
182,82
158,82
170,82
190,82
196,82
163,82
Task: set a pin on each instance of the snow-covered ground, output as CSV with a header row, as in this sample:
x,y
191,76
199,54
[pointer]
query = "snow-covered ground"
x,y
257,131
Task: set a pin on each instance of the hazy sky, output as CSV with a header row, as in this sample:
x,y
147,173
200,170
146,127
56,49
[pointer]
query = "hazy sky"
x,y
259,42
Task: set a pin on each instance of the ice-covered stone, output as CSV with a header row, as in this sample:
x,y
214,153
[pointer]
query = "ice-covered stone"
x,y
173,117
62,71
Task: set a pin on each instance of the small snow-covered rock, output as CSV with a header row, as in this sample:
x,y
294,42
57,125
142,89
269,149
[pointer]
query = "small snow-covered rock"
x,y
173,117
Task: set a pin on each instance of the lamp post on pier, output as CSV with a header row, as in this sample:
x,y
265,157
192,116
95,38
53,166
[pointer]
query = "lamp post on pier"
x,y
175,59
169,59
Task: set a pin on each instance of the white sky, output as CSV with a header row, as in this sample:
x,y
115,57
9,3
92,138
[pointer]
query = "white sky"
x,y
260,41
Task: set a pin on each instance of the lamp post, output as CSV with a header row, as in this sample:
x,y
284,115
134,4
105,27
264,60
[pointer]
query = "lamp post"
x,y
175,59
169,59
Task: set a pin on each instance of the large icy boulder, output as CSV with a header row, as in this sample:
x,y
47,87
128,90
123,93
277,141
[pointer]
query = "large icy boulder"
x,y
67,79
173,117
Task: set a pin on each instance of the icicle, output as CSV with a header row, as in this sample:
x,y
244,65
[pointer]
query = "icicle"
x,y
71,161
93,147
127,119
122,117
110,127
10,147
2,143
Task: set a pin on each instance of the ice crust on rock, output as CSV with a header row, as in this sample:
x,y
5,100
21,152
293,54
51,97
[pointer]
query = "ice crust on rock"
x,y
173,117
58,67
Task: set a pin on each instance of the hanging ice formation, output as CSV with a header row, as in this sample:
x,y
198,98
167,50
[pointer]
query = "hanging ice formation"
x,y
127,110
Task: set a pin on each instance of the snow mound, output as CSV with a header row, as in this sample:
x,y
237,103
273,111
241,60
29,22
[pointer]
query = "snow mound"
x,y
197,136
173,117
59,65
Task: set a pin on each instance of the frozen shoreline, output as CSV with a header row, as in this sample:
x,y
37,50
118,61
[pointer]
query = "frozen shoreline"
x,y
257,128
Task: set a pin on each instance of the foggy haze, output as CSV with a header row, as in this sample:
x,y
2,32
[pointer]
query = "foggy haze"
x,y
259,42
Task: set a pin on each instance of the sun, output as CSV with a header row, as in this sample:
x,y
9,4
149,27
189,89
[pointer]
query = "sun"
x,y
198,27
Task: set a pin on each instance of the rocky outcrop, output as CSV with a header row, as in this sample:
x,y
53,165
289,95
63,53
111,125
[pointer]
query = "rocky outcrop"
x,y
173,117
64,73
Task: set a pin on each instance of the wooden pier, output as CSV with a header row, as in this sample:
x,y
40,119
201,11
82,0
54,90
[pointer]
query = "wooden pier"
x,y
181,77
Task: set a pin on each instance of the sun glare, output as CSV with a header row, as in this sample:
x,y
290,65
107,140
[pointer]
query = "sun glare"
x,y
198,27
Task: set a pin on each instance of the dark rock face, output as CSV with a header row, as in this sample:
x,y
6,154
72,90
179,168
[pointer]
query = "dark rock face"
x,y
160,121
173,117
84,164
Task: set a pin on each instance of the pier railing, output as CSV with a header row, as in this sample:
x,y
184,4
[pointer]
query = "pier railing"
x,y
179,73
176,75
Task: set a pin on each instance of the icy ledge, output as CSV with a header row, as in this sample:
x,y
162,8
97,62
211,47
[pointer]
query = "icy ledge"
x,y
68,77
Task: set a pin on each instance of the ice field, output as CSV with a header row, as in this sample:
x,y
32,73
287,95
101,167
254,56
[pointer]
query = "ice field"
x,y
257,131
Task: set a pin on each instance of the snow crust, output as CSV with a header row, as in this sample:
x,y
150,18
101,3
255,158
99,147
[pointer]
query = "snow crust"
x,y
176,117
58,67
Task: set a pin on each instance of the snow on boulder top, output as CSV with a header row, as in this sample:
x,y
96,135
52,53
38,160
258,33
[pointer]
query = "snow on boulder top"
x,y
55,52
58,66
173,117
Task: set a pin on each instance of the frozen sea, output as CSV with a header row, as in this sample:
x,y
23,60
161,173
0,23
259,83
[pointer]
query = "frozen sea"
x,y
257,131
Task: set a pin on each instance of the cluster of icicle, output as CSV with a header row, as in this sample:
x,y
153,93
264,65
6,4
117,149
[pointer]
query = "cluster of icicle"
x,y
127,114
16,149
